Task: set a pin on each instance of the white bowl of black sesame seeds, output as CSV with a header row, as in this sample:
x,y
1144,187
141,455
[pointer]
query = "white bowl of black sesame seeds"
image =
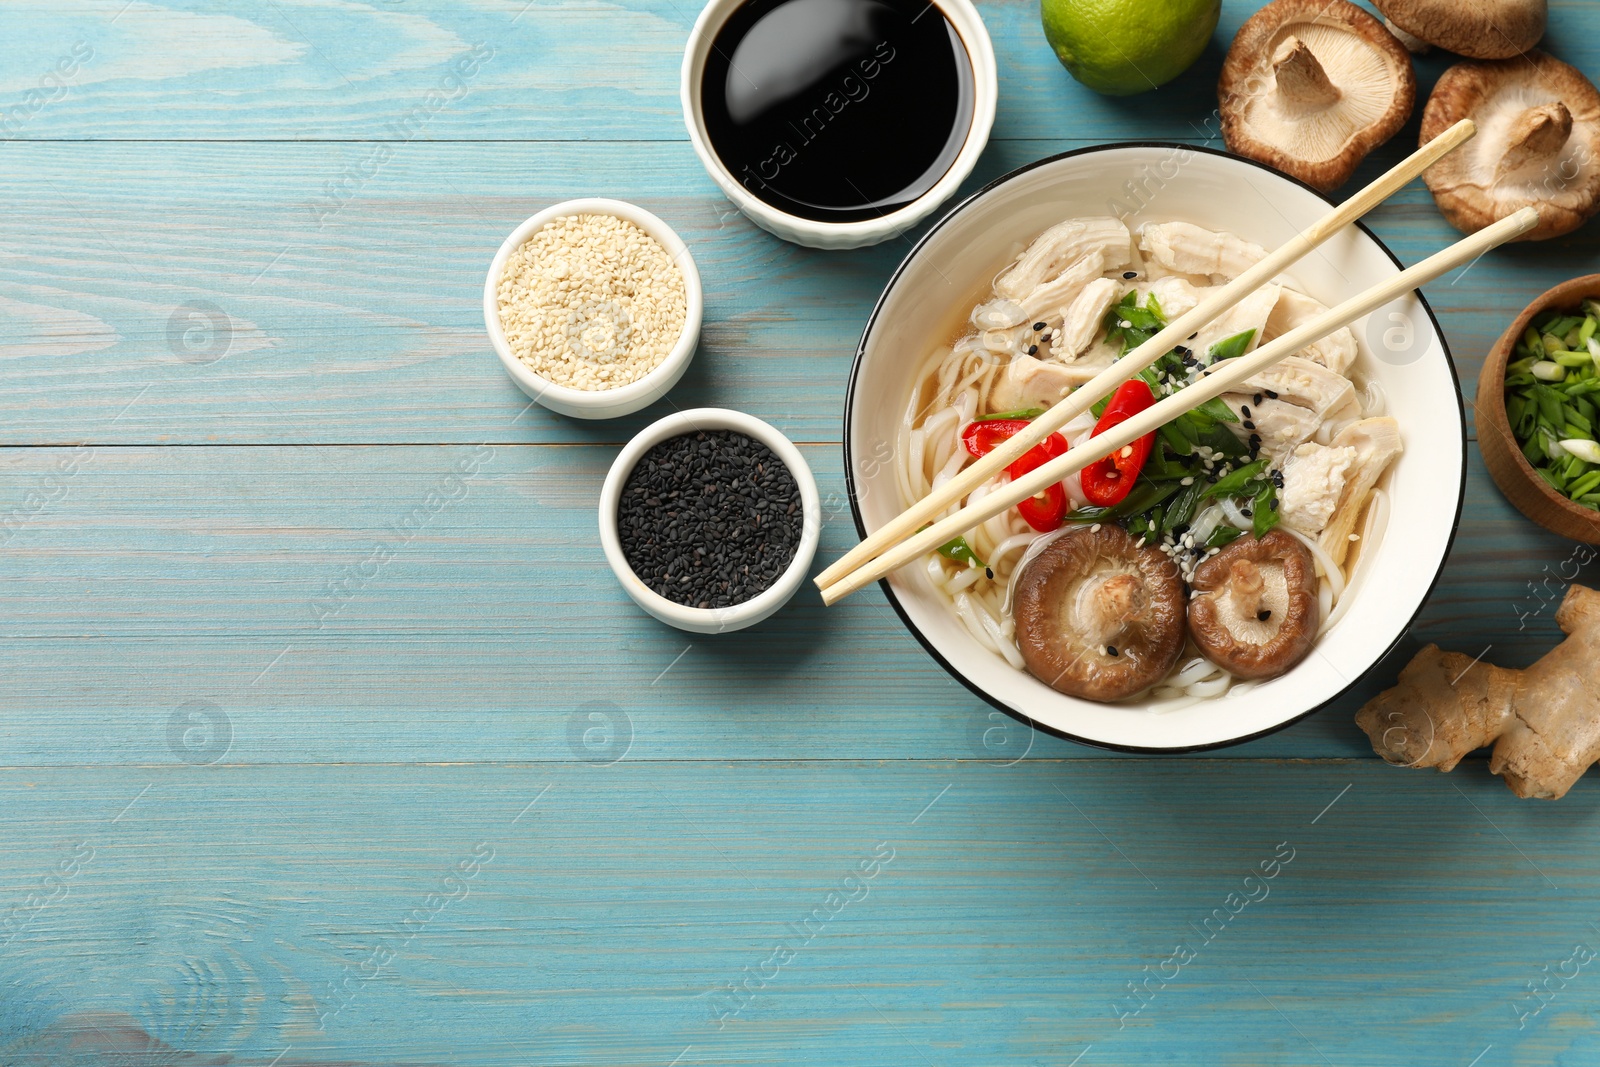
x,y
709,518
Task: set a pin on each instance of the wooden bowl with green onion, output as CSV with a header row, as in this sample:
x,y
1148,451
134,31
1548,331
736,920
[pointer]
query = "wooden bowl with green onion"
x,y
1552,396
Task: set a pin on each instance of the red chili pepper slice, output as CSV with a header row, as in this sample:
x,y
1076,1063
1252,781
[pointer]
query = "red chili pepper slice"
x,y
1106,482
981,437
1046,511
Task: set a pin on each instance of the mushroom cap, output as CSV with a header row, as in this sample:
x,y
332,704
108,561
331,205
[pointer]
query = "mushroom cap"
x,y
1274,574
1478,29
1098,617
1538,143
1312,86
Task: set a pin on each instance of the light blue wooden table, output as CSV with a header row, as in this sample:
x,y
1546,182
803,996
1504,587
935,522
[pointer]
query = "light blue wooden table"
x,y
267,803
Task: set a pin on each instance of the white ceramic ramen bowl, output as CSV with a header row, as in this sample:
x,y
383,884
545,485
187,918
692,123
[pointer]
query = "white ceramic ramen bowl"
x,y
964,18
738,616
932,293
598,403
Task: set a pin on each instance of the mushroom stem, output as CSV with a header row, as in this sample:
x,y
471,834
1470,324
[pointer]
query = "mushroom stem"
x,y
1245,586
1537,133
1301,78
1118,599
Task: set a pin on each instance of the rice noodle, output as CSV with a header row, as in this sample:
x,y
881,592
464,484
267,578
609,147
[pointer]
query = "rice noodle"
x,y
1374,400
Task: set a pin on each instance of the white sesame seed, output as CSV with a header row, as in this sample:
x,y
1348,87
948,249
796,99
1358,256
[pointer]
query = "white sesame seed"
x,y
592,302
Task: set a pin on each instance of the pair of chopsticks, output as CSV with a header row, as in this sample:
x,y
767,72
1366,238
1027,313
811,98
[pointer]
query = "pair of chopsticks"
x,y
890,547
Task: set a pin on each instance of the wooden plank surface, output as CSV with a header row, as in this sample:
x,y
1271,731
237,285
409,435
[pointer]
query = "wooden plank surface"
x,y
1000,917
267,804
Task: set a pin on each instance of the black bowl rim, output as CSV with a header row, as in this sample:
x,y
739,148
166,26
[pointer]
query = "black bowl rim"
x,y
899,609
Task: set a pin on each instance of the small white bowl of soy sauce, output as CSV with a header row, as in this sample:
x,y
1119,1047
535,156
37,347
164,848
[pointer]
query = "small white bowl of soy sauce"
x,y
839,123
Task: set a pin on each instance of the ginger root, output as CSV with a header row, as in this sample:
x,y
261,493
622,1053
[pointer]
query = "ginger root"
x,y
1544,722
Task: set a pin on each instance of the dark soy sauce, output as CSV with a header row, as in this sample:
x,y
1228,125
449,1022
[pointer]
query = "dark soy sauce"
x,y
837,110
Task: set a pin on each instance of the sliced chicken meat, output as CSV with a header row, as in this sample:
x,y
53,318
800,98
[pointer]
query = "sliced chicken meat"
x,y
1313,480
1299,381
1337,351
1376,443
1190,249
1062,246
1081,319
1177,296
1027,382
1281,426
1248,314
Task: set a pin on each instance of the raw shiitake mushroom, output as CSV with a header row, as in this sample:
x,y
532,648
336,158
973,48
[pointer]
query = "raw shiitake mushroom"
x,y
1255,611
1478,29
1312,86
1538,144
1098,617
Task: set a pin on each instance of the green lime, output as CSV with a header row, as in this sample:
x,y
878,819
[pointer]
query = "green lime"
x,y
1122,47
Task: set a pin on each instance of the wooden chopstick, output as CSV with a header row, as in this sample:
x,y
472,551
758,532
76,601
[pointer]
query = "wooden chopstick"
x,y
1225,376
919,513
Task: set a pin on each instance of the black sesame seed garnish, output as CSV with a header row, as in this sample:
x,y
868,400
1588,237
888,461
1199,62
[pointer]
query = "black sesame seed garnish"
x,y
1111,650
1033,350
1270,394
1255,440
1129,275
1249,425
1038,326
1263,615
1246,512
1244,409
1257,399
709,519
988,572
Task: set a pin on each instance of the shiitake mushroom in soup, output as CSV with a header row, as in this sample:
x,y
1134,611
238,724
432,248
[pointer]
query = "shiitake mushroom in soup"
x,y
1097,616
1254,612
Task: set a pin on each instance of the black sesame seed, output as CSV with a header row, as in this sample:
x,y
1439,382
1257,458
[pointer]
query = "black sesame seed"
x,y
709,519
1249,425
1033,350
1255,440
988,572
1038,326
1111,650
1244,409
1270,394
1129,275
1246,512
1263,615
1257,400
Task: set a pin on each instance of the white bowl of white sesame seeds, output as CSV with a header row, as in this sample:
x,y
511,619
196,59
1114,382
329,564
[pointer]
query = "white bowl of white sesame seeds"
x,y
594,307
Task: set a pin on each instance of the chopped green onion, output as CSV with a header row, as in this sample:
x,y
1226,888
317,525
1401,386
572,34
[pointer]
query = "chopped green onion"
x,y
961,552
1223,535
1585,484
1235,482
1548,371
1024,413
1583,448
1229,347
